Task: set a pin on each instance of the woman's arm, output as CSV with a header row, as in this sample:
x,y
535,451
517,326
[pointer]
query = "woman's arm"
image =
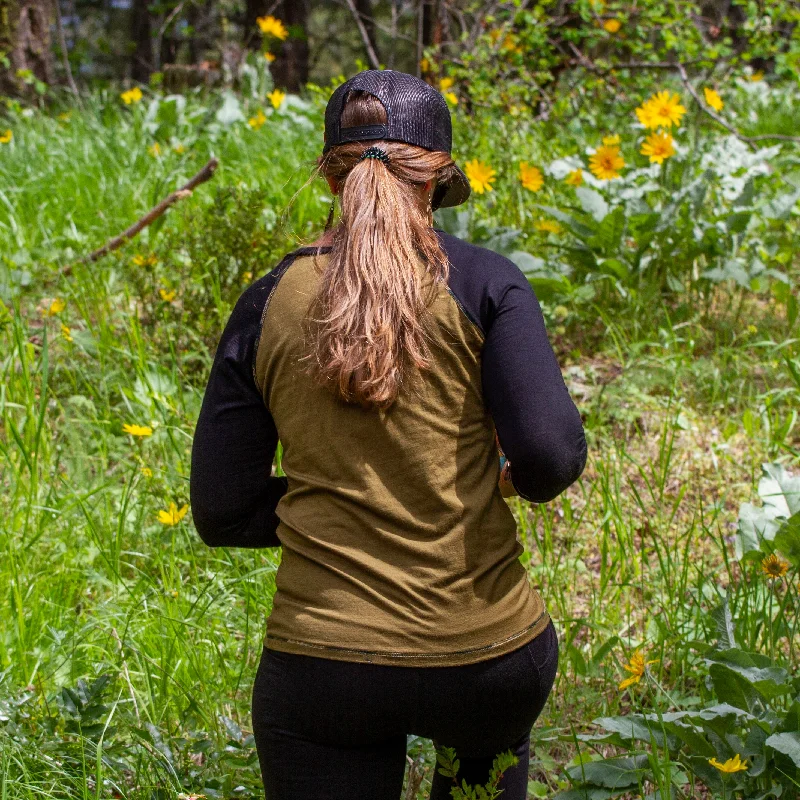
x,y
538,426
233,494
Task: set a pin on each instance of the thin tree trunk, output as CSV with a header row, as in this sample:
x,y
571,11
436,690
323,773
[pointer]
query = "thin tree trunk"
x,y
25,40
142,37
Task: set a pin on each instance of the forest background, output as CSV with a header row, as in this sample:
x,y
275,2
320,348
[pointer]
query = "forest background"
x,y
637,159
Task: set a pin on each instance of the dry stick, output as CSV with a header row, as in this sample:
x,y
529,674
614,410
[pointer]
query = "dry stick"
x,y
152,215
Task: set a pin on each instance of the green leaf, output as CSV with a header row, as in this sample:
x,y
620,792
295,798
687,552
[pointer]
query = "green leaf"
x,y
757,670
578,228
611,773
723,620
780,489
587,793
786,743
787,539
592,202
635,727
230,111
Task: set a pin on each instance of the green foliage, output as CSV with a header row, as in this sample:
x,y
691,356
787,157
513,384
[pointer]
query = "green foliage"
x,y
449,765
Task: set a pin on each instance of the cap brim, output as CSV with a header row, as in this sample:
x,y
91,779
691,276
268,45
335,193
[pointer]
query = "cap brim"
x,y
453,193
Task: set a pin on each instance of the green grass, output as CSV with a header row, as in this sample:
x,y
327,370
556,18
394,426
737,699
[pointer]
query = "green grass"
x,y
682,405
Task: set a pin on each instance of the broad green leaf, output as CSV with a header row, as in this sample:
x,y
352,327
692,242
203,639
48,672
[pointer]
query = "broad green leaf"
x,y
635,727
581,230
723,619
611,773
756,524
787,539
526,262
587,793
757,670
780,489
592,202
230,111
787,743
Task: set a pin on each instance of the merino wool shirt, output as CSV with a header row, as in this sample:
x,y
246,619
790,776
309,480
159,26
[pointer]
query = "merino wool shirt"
x,y
397,546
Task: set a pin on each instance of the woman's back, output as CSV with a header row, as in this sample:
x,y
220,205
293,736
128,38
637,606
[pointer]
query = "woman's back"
x,y
397,545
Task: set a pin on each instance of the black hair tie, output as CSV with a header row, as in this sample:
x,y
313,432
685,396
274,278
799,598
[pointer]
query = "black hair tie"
x,y
375,152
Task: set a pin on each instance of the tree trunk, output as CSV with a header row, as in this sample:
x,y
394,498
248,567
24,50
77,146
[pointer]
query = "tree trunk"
x,y
142,56
290,67
25,42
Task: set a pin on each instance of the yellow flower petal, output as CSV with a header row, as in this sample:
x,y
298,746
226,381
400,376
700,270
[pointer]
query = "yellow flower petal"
x,y
138,430
270,26
734,764
6,137
658,146
606,162
575,178
173,515
713,99
612,25
530,177
480,176
276,97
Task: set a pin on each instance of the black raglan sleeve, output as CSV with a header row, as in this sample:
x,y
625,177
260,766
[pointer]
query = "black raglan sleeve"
x,y
233,494
538,426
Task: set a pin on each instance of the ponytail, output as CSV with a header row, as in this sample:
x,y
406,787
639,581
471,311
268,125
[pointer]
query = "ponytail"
x,y
365,329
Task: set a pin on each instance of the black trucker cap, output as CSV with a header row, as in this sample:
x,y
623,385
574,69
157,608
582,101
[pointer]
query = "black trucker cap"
x,y
416,113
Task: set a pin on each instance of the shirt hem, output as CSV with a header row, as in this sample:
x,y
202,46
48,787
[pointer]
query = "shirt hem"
x,y
453,658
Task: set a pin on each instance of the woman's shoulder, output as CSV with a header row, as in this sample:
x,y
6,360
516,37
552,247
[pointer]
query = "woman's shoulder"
x,y
480,278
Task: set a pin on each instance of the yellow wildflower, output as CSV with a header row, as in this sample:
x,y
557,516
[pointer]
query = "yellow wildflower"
x,y
132,96
606,162
65,116
179,148
66,333
757,76
148,261
480,176
270,57
658,146
530,177
173,515
55,307
167,296
147,472
257,121
662,110
575,178
734,764
636,667
612,25
276,97
138,430
614,139
272,27
548,226
451,98
154,149
774,567
6,137
713,99
445,84
752,328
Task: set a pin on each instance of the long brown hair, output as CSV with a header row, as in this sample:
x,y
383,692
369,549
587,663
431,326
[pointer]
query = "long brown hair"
x,y
365,326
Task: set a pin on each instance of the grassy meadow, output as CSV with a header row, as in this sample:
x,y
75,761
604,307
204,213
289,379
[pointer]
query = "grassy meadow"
x,y
128,648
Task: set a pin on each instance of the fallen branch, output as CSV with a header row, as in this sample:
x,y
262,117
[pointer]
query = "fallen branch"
x,y
151,216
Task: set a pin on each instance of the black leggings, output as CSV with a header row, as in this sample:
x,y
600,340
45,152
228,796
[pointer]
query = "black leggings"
x,y
336,730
